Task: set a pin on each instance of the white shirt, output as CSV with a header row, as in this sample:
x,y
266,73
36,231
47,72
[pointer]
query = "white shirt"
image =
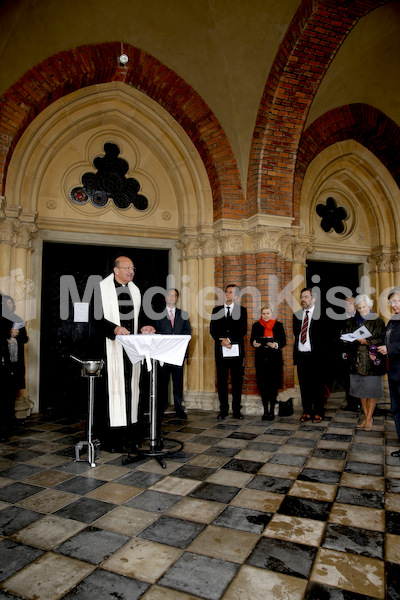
x,y
230,309
307,346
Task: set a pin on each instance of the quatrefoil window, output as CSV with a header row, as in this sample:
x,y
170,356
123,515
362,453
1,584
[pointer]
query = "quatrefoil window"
x,y
110,182
332,216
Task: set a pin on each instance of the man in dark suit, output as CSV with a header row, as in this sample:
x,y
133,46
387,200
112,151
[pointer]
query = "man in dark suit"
x,y
174,321
228,327
310,354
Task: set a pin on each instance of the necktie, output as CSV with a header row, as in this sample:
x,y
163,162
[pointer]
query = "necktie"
x,y
171,316
228,312
303,335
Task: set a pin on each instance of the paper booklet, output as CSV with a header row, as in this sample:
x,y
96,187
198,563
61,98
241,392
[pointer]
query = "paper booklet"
x,y
360,333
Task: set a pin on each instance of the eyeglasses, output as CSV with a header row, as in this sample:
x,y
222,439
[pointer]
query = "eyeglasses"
x,y
394,302
127,268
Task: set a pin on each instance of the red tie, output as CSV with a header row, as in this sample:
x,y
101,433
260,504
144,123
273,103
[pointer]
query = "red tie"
x,y
171,316
303,335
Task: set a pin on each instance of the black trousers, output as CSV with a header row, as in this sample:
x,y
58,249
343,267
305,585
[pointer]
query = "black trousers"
x,y
311,381
234,366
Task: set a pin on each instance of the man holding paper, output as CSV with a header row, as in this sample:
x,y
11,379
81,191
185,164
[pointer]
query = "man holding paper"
x,y
228,327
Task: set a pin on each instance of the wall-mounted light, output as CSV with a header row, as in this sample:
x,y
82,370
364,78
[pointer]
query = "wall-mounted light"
x,y
123,59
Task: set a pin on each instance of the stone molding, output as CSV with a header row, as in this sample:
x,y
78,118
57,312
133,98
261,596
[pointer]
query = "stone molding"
x,y
17,233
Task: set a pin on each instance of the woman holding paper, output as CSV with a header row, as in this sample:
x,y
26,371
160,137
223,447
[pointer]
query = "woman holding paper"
x,y
268,338
365,370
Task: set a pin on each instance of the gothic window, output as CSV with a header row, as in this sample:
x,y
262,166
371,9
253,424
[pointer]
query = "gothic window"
x,y
110,181
332,216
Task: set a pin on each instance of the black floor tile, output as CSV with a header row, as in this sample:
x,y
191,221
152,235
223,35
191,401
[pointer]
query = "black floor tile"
x,y
263,447
353,539
284,557
364,468
216,492
336,437
368,448
393,485
22,455
329,454
93,545
14,556
221,451
306,442
244,519
393,581
14,518
20,471
370,498
15,492
207,440
393,522
173,532
79,485
320,476
103,585
153,501
293,460
244,466
305,508
139,479
194,472
278,485
243,435
85,510
201,576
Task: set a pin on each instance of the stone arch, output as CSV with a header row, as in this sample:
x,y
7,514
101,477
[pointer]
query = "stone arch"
x,y
49,160
90,65
360,122
363,186
317,29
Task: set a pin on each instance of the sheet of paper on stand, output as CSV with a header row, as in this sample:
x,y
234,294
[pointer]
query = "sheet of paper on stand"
x,y
170,349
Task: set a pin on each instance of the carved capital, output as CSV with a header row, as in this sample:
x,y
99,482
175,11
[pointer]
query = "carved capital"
x,y
296,248
267,238
382,262
231,242
17,233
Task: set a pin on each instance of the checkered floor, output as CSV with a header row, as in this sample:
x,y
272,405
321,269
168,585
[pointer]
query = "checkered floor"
x,y
246,510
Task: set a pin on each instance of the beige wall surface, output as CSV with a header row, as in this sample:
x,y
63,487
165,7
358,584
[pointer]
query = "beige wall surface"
x,y
223,48
367,67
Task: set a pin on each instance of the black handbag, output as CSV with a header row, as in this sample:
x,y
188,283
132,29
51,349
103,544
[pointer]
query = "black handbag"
x,y
285,408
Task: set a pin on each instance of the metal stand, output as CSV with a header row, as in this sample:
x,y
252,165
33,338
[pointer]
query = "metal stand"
x,y
154,444
90,369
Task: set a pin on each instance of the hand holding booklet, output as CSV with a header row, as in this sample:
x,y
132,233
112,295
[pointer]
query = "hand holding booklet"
x,y
231,352
360,333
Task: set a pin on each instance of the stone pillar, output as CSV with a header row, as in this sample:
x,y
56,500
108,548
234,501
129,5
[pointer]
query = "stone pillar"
x,y
197,258
16,237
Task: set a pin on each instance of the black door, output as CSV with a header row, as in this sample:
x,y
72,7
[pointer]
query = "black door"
x,y
62,389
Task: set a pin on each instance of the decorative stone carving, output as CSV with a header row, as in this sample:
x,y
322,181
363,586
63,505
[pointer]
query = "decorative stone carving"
x,y
231,242
18,233
194,246
267,239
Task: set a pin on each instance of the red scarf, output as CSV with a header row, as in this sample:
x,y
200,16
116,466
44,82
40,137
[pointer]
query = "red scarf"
x,y
268,326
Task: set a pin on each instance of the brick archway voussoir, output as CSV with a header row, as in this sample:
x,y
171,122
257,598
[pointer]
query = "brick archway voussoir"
x,y
84,66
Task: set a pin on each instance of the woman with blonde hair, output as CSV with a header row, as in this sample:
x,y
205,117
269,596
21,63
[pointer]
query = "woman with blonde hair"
x,y
366,369
268,338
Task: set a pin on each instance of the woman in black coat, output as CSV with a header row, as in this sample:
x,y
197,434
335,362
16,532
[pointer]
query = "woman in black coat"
x,y
268,338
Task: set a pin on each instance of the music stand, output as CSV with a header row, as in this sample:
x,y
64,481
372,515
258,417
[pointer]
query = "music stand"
x,y
155,348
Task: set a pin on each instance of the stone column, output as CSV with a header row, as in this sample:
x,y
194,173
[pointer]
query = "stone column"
x,y
15,251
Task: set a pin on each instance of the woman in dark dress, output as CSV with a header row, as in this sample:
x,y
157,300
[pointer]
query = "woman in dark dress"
x,y
268,338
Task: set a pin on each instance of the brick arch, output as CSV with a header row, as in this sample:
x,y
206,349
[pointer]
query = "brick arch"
x,y
73,69
360,122
314,36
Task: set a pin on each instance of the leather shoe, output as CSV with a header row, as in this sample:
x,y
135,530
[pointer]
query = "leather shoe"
x,y
222,416
238,416
181,414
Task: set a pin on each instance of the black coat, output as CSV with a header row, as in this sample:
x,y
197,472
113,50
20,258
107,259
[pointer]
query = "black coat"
x,y
269,361
235,328
391,339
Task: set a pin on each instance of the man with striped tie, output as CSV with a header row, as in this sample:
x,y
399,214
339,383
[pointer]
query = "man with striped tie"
x,y
311,344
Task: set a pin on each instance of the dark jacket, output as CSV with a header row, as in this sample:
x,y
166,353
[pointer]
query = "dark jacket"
x,y
235,328
391,338
268,361
358,354
321,337
181,323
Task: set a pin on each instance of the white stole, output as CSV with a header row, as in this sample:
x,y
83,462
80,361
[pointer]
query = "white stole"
x,y
115,355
